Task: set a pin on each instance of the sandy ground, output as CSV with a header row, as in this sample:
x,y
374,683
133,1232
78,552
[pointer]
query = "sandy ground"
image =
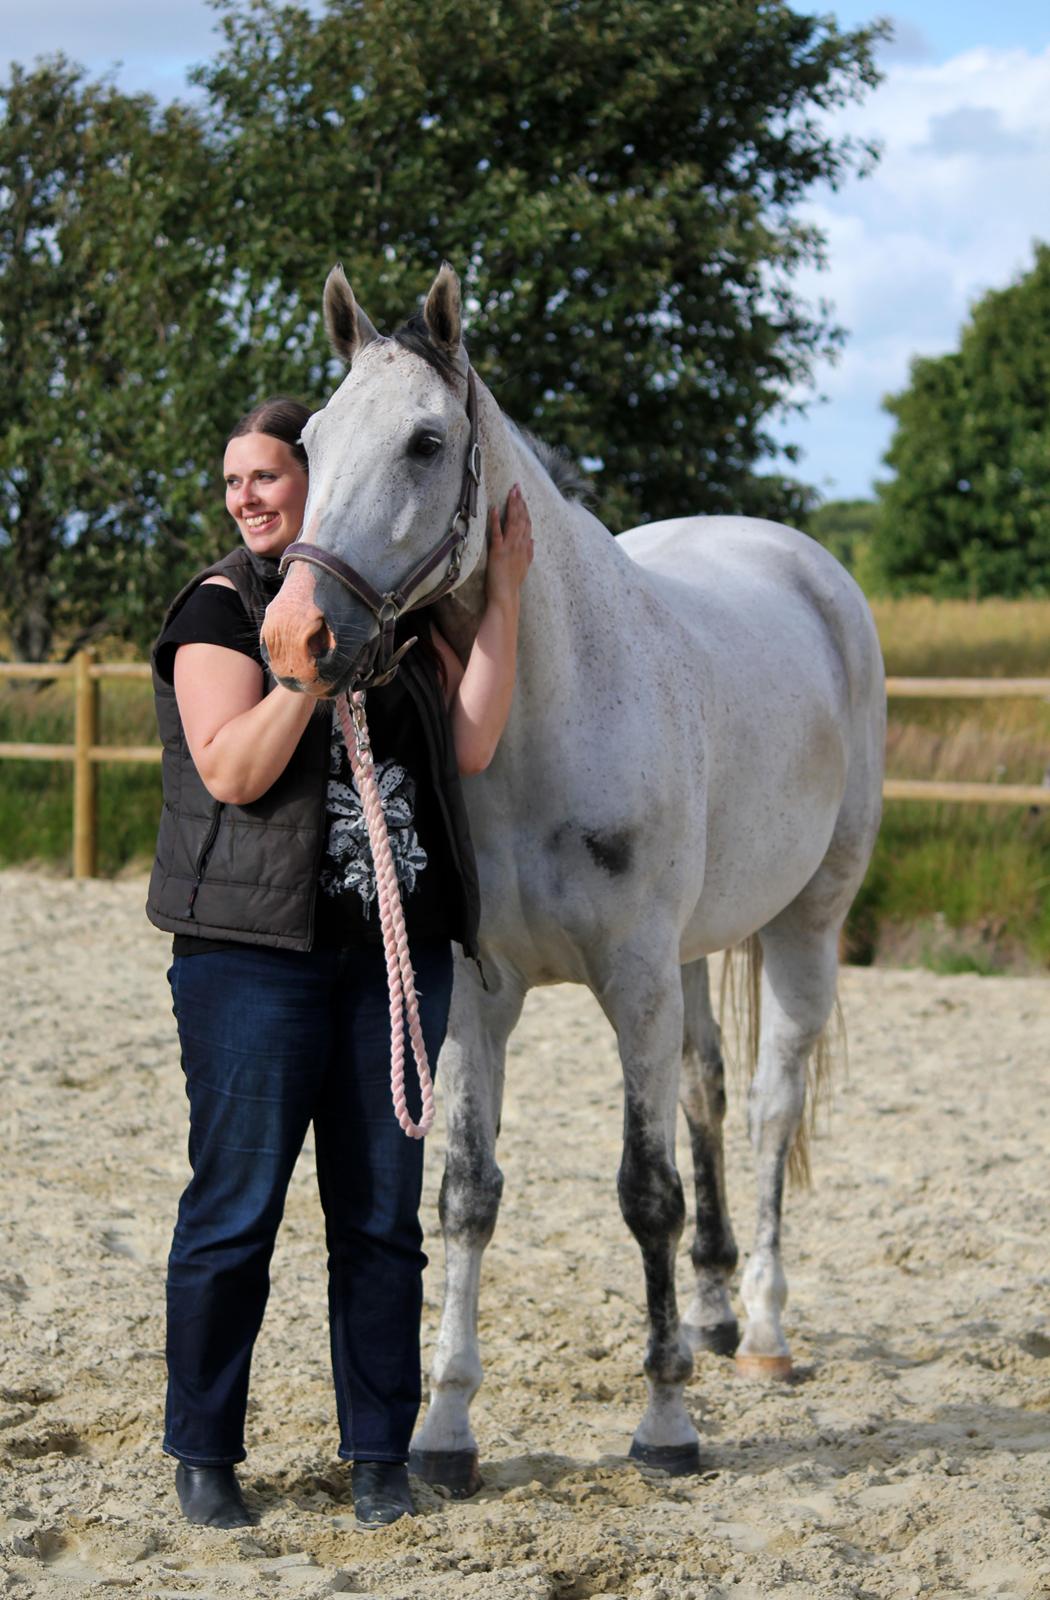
x,y
909,1457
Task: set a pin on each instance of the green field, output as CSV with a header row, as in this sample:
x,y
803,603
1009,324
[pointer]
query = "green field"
x,y
957,887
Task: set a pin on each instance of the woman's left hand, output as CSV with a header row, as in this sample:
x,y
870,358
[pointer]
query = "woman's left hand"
x,y
510,549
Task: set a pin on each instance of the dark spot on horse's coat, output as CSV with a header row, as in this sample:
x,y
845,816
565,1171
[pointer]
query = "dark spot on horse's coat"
x,y
610,850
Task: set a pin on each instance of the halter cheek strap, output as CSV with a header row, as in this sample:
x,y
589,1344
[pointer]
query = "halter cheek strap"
x,y
388,607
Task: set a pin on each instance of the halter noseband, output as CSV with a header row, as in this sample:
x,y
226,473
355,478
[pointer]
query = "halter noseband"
x,y
388,607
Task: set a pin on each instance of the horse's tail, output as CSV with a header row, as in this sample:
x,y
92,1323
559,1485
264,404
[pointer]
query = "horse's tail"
x,y
740,1009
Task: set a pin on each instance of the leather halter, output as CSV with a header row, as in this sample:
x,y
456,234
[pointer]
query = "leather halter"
x,y
388,607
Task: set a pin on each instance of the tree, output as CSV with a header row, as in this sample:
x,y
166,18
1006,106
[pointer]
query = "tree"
x,y
112,354
968,512
845,527
615,180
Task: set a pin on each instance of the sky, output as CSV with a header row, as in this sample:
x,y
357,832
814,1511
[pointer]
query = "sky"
x,y
961,191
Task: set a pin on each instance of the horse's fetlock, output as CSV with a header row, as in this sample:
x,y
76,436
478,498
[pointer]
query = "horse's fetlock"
x,y
669,1362
714,1255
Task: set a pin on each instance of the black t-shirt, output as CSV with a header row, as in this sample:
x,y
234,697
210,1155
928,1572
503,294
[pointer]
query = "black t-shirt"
x,y
213,614
346,912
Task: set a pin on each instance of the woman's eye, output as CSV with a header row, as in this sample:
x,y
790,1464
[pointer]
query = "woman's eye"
x,y
426,445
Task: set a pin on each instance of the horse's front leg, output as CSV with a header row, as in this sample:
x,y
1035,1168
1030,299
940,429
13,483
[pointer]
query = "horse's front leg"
x,y
644,1005
444,1449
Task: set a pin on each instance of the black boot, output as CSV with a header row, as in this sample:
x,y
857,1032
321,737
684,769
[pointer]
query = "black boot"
x,y
211,1497
381,1493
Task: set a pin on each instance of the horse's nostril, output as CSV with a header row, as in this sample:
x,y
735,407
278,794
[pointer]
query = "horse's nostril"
x,y
321,641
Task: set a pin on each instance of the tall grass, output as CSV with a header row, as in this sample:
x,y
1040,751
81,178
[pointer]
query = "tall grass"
x,y
36,797
962,886
924,638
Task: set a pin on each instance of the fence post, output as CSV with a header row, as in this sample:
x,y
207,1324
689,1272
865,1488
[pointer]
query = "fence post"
x,y
85,781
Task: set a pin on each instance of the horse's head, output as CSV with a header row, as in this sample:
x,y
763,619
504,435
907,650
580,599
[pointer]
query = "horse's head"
x,y
393,517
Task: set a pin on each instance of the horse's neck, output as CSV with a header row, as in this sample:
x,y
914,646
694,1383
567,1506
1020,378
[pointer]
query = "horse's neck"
x,y
568,584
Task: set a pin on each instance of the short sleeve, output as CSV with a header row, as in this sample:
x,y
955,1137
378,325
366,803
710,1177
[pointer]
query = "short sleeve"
x,y
212,614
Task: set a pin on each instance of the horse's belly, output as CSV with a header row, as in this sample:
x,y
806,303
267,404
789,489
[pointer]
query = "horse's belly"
x,y
766,877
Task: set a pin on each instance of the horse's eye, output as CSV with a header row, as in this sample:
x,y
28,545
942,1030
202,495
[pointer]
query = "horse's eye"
x,y
426,445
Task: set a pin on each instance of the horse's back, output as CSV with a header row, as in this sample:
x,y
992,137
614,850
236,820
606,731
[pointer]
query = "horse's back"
x,y
741,580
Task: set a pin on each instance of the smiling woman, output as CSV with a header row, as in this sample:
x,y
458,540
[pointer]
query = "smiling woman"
x,y
264,490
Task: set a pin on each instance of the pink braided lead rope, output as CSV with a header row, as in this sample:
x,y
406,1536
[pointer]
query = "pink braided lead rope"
x,y
399,975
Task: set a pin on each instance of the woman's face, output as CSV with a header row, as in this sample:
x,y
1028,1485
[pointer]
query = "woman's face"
x,y
265,492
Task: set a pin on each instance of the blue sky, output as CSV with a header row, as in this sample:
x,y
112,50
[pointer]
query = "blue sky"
x,y
961,193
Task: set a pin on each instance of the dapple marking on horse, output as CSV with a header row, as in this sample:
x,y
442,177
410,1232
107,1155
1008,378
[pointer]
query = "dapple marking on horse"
x,y
694,756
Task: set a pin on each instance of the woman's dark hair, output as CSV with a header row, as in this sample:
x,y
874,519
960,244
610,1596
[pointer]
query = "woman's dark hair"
x,y
281,418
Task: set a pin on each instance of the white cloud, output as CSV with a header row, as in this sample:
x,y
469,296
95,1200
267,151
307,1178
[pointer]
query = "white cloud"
x,y
952,210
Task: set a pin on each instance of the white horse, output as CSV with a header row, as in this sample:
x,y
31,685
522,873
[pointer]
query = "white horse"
x,y
694,756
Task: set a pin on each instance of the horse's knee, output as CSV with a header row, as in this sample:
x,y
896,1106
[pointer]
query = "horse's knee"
x,y
651,1197
468,1203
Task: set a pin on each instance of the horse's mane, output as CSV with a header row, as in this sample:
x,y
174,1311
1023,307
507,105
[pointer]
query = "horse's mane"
x,y
567,476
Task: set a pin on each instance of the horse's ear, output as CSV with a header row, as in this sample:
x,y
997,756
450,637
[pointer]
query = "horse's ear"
x,y
349,330
442,310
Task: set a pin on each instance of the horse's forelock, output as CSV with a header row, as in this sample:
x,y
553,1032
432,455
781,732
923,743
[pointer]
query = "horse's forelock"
x,y
414,335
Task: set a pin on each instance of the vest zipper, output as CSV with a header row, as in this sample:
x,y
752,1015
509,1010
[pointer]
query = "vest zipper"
x,y
202,859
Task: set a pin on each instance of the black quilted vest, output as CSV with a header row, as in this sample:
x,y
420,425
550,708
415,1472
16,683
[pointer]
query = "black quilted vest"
x,y
249,873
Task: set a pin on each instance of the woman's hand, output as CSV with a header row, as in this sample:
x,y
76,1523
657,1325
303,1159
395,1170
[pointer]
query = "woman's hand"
x,y
510,549
481,692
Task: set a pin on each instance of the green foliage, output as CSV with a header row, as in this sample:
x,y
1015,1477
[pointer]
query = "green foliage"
x,y
971,879
113,360
614,180
846,527
968,512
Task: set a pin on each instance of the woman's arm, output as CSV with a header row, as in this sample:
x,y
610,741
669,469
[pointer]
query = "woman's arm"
x,y
480,693
240,739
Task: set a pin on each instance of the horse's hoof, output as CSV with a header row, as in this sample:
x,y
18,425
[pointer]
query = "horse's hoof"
x,y
454,1470
720,1338
677,1460
768,1369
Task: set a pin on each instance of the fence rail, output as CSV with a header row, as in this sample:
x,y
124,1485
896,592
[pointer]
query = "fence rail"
x,y
87,675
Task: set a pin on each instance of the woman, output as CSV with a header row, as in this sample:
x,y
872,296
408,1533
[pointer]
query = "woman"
x,y
264,875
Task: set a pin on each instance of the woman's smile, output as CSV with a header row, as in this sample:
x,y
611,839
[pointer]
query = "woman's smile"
x,y
265,492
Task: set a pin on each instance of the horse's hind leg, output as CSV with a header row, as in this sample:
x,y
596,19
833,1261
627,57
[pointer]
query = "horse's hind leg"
x,y
444,1450
798,992
709,1323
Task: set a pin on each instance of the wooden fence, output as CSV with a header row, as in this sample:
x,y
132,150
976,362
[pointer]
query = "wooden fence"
x,y
85,752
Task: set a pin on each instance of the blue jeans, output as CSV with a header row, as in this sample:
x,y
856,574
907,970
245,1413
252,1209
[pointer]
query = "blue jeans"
x,y
272,1040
